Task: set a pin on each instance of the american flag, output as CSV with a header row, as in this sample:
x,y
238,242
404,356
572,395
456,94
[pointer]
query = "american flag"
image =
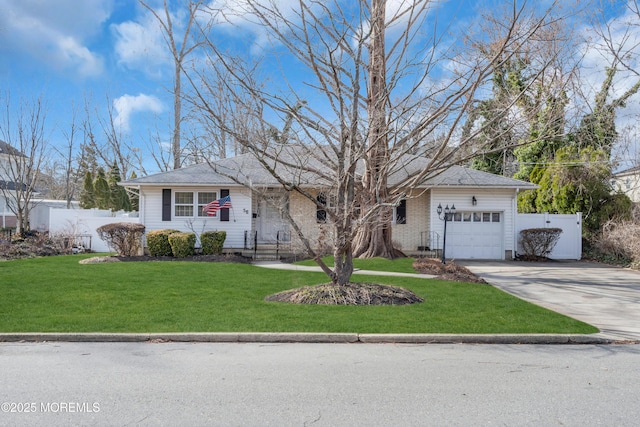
x,y
213,207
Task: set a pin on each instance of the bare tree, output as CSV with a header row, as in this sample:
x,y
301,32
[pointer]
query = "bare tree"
x,y
617,43
106,140
23,130
71,177
378,110
179,52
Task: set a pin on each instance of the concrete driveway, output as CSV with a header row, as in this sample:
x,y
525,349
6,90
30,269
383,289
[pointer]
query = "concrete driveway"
x,y
603,296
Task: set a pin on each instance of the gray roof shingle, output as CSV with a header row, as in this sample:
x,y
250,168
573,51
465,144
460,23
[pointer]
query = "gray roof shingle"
x,y
9,150
311,168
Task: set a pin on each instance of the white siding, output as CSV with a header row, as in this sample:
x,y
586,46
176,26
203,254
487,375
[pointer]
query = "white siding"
x,y
239,214
488,200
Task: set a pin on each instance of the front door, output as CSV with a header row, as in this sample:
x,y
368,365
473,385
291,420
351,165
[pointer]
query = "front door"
x,y
271,223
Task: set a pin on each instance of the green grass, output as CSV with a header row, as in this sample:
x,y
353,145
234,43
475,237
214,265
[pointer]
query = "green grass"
x,y
57,294
399,265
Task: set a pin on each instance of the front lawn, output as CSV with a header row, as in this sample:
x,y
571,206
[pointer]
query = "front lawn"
x,y
57,294
399,265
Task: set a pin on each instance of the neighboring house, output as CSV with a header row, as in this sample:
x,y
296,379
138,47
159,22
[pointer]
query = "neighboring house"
x,y
628,182
482,228
7,218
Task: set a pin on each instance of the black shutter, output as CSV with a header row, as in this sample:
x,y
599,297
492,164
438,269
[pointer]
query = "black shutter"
x,y
166,204
224,213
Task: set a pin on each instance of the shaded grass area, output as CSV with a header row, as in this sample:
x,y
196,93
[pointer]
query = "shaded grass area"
x,y
56,294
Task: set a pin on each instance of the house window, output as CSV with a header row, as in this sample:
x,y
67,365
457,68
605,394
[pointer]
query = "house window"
x,y
189,204
400,212
476,217
183,205
321,214
204,198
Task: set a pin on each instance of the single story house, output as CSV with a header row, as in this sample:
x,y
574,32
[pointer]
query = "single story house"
x,y
483,226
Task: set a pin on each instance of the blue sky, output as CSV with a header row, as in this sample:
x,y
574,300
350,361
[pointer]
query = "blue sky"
x,y
109,53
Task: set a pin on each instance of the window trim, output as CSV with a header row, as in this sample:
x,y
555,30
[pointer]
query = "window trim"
x,y
199,205
401,208
196,206
329,202
476,217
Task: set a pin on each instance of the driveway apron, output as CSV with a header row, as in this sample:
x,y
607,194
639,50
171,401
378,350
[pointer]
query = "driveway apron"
x,y
603,296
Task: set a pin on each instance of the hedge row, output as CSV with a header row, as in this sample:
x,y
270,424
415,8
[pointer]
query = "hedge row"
x,y
180,245
158,242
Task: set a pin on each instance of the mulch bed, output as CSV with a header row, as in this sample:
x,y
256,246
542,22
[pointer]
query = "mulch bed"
x,y
349,294
450,271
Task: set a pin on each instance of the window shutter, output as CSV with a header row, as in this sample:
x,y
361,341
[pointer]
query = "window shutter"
x,y
224,213
166,204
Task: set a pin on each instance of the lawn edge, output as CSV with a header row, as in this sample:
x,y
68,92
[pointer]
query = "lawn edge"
x,y
295,337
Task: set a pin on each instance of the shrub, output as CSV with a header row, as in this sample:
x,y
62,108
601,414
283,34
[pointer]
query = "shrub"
x,y
182,244
618,242
123,237
539,242
158,242
212,242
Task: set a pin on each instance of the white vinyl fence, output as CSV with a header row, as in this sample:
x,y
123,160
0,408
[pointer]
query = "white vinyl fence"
x,y
570,244
81,224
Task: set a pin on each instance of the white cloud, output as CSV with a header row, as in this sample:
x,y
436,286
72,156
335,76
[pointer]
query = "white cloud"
x,y
140,45
237,18
55,33
127,105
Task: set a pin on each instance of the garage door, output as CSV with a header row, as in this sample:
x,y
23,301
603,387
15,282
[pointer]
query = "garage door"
x,y
475,235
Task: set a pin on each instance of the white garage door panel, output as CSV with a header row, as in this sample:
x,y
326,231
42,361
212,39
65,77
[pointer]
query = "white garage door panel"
x,y
475,239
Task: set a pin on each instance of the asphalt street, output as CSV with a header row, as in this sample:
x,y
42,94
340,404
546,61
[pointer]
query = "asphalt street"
x,y
251,384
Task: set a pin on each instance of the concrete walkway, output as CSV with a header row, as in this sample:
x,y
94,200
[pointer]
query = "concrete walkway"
x,y
604,296
286,266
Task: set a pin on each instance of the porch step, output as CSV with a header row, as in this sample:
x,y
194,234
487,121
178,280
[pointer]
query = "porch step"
x,y
266,254
426,254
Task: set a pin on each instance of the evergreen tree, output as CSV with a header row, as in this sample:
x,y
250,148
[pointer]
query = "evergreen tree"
x,y
118,198
134,197
101,191
577,181
546,132
497,139
87,160
87,195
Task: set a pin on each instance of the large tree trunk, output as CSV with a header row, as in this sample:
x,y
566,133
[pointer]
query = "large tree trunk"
x,y
374,237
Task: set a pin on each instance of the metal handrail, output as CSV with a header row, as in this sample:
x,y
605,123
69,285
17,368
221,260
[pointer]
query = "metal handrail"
x,y
429,241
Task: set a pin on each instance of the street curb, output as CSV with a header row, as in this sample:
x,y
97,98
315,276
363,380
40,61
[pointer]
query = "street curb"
x,y
294,337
